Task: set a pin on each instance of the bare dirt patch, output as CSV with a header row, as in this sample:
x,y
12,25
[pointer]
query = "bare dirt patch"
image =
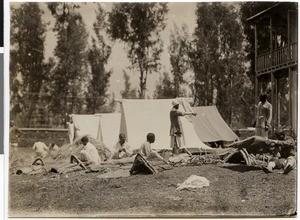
x,y
235,190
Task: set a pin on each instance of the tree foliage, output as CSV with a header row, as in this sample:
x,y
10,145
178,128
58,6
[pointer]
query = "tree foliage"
x,y
179,55
203,54
70,77
138,25
165,88
27,67
128,92
98,56
217,58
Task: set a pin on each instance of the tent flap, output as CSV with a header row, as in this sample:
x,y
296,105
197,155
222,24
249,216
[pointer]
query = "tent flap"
x,y
210,126
110,128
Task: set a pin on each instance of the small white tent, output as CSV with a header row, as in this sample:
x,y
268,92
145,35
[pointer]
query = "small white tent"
x,y
140,117
87,125
110,128
103,127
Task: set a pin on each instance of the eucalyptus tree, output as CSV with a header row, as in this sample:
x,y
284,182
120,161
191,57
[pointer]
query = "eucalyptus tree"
x,y
138,25
128,92
70,78
179,55
165,88
98,56
27,66
218,58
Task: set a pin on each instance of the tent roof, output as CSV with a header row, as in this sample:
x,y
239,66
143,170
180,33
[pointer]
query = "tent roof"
x,y
210,126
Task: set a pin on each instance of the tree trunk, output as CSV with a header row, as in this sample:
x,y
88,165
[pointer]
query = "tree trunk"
x,y
142,90
230,101
143,81
33,101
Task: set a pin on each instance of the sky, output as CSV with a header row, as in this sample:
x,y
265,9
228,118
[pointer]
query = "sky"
x,y
179,13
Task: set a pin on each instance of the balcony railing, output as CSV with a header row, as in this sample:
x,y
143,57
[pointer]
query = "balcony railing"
x,y
281,57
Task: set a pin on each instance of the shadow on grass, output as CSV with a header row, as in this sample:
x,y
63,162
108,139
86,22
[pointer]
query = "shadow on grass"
x,y
241,168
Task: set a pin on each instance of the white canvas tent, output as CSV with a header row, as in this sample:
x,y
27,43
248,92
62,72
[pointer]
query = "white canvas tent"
x,y
87,125
104,127
110,128
140,117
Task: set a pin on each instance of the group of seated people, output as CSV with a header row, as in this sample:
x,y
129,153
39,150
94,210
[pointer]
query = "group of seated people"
x,y
90,155
122,149
281,150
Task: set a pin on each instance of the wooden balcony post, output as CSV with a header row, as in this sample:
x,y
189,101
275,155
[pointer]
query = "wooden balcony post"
x,y
255,64
290,100
271,40
275,105
272,100
256,92
255,46
289,37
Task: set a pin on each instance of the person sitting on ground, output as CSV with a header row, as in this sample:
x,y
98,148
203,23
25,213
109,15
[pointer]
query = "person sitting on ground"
x,y
284,155
122,148
147,151
53,147
89,154
40,149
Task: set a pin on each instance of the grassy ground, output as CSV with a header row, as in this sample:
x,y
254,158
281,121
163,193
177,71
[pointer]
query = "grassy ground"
x,y
234,190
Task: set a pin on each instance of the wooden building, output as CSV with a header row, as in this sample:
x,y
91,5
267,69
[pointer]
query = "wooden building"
x,y
276,61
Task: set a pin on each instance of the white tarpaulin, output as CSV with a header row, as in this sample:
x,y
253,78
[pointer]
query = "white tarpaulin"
x,y
140,117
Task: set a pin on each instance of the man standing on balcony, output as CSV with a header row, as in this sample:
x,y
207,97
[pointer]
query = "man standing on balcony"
x,y
263,116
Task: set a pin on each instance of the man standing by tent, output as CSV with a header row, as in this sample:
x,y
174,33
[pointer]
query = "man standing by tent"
x,y
176,127
71,129
263,117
